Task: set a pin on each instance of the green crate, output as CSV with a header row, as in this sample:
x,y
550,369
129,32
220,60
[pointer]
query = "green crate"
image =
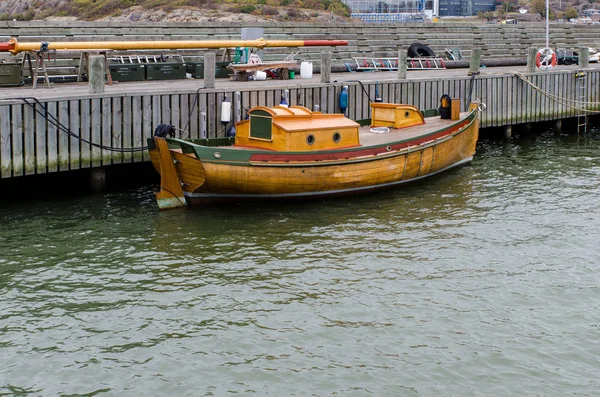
x,y
196,69
127,71
165,71
11,74
221,70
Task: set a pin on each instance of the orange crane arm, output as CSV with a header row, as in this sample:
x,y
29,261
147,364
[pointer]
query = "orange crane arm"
x,y
14,47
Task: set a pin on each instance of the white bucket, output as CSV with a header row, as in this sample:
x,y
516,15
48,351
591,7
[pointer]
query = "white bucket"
x,y
306,70
260,75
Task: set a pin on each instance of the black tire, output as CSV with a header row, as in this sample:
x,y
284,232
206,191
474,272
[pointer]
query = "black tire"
x,y
418,50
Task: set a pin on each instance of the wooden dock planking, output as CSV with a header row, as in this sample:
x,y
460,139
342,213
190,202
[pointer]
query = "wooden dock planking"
x,y
6,159
29,140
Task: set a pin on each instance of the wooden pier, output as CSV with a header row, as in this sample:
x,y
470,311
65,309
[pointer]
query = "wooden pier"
x,y
57,129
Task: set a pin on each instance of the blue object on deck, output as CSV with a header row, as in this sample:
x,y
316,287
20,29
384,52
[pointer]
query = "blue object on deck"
x,y
343,101
231,132
377,97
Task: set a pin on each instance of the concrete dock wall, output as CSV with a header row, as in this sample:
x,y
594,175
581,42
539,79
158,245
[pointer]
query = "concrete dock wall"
x,y
364,40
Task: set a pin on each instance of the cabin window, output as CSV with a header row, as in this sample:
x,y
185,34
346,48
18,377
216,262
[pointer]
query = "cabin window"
x,y
310,139
261,125
336,137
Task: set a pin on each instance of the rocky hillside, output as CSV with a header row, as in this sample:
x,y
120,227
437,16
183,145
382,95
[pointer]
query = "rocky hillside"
x,y
234,10
175,10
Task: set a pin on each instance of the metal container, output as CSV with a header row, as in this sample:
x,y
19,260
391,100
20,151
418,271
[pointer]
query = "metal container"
x,y
221,70
195,69
11,74
127,71
165,71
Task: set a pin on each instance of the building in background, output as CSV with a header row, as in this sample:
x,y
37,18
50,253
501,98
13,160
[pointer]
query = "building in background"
x,y
465,8
379,11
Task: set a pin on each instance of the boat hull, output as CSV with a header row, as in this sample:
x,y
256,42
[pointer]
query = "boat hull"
x,y
209,179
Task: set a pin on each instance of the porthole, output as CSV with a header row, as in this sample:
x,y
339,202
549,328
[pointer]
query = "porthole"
x,y
217,155
407,114
336,137
310,139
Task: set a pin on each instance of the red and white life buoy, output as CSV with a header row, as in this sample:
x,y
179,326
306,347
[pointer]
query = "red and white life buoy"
x,y
545,58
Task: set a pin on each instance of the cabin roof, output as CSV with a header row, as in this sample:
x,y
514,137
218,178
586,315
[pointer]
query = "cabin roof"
x,y
299,118
314,122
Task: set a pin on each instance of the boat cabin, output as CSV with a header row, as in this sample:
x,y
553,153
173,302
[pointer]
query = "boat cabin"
x,y
395,115
295,129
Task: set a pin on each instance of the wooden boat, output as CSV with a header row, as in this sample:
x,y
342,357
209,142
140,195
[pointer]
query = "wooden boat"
x,y
294,153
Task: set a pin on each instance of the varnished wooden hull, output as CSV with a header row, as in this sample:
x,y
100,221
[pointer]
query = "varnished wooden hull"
x,y
246,175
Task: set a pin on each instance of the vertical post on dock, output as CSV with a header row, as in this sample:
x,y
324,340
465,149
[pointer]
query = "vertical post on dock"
x,y
98,176
209,69
402,65
237,105
507,132
203,124
531,53
475,61
584,57
96,73
300,98
325,67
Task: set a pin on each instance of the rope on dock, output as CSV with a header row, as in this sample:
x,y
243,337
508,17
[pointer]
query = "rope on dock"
x,y
563,101
54,121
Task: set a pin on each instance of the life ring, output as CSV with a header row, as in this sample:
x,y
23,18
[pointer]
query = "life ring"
x,y
545,59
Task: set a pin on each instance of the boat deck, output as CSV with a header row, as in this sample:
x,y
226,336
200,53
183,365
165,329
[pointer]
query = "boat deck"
x,y
368,138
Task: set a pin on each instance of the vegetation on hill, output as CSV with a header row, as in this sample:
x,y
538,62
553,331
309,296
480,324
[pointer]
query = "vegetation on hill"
x,y
276,10
99,9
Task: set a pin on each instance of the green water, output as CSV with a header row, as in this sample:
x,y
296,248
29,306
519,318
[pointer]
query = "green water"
x,y
483,281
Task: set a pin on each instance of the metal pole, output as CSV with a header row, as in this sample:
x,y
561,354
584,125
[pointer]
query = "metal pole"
x,y
547,18
14,47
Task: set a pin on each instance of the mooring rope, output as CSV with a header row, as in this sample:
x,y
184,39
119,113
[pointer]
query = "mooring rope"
x,y
563,101
33,102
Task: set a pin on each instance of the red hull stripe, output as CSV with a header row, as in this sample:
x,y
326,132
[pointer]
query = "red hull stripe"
x,y
280,157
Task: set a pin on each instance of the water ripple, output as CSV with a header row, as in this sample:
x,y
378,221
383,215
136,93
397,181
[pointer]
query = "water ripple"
x,y
483,282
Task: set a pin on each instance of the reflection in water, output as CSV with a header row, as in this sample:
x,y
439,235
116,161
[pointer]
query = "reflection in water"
x,y
480,281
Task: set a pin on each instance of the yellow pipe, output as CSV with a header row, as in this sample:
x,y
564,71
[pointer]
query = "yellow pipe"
x,y
14,47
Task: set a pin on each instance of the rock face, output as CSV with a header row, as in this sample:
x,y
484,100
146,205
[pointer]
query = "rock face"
x,y
14,8
11,7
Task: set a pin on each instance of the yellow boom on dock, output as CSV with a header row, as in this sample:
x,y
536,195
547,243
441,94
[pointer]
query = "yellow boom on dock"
x,y
14,47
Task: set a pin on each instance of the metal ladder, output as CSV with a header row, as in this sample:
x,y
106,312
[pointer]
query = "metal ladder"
x,y
374,64
581,99
426,63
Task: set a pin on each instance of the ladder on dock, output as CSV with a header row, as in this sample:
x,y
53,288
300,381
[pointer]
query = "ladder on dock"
x,y
376,63
426,63
386,64
581,100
